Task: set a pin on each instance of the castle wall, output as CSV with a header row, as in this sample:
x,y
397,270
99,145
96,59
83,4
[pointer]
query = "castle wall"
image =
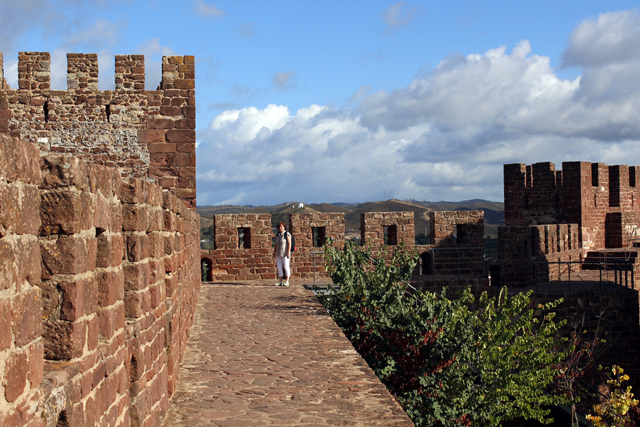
x,y
520,247
583,193
372,227
101,277
230,262
147,134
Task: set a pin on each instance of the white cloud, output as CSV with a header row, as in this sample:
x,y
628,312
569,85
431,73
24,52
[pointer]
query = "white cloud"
x,y
614,38
443,137
208,10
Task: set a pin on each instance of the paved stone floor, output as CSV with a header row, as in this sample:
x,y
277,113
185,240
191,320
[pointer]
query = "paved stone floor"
x,y
260,355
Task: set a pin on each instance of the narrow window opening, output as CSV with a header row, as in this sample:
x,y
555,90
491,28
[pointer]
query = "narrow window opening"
x,y
391,235
427,263
632,176
594,175
461,233
46,112
244,237
526,201
319,236
107,111
494,275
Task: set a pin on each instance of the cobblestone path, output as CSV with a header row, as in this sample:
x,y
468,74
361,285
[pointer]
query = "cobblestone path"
x,y
260,355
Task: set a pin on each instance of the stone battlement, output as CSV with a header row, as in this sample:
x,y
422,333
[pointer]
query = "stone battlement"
x,y
100,280
147,134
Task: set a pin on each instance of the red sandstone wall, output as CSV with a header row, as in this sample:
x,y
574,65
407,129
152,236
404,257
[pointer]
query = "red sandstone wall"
x,y
228,262
583,193
21,342
520,247
101,277
145,133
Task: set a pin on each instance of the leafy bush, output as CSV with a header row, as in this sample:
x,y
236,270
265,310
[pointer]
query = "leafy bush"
x,y
449,362
618,408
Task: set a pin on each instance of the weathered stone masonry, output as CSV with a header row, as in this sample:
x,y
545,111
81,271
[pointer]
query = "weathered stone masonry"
x,y
147,134
582,211
100,272
230,262
98,285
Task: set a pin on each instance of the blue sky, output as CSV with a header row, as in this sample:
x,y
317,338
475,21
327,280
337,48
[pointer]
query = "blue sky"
x,y
350,101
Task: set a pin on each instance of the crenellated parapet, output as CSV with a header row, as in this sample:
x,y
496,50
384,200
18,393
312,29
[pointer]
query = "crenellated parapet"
x,y
148,134
602,199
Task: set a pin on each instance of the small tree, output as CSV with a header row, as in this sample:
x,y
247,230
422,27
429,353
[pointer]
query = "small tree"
x,y
619,408
449,361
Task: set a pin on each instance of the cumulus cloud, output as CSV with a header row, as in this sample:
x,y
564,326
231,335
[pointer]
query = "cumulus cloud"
x,y
613,38
284,80
445,136
207,10
396,17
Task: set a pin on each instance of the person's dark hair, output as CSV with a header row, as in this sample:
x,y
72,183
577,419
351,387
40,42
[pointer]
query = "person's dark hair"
x,y
282,224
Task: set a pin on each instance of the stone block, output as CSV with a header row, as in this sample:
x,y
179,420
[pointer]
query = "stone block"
x,y
147,136
20,160
136,276
110,250
68,254
5,324
73,299
160,124
16,370
64,171
20,209
134,190
66,212
135,217
181,136
138,247
64,340
36,364
110,284
26,316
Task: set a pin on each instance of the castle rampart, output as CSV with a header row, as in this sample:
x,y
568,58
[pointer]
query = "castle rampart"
x,y
584,193
147,134
100,278
243,243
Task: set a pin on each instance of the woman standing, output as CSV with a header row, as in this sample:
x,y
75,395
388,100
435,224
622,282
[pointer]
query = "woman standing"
x,y
282,254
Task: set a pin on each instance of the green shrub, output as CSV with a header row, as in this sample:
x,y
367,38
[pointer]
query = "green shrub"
x,y
449,362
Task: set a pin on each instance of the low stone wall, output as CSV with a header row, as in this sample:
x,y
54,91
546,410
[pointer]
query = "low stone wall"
x,y
100,282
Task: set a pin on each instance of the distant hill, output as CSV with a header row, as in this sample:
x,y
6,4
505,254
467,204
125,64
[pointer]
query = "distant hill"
x,y
493,211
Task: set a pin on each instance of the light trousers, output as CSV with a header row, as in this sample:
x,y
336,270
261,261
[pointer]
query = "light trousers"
x,y
283,264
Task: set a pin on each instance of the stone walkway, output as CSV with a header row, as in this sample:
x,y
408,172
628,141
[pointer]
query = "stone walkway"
x,y
260,355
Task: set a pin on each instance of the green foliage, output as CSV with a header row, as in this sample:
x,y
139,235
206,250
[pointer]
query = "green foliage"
x,y
449,361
